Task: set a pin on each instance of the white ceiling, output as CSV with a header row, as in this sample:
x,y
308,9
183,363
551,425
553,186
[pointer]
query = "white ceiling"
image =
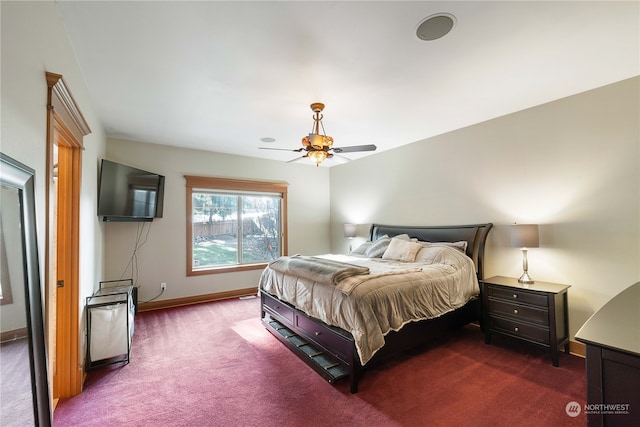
x,y
219,76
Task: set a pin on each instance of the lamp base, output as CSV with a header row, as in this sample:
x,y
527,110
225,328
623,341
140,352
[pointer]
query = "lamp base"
x,y
525,279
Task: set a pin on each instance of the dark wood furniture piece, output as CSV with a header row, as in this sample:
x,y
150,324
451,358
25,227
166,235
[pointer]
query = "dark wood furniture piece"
x,y
331,352
536,313
612,337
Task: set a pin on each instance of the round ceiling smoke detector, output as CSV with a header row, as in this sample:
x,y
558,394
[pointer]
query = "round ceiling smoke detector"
x,y
435,26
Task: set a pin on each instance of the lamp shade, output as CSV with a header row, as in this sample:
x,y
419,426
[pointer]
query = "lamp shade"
x,y
350,230
524,236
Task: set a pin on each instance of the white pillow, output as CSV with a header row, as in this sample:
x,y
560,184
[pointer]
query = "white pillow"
x,y
461,245
377,248
402,250
428,253
402,237
360,250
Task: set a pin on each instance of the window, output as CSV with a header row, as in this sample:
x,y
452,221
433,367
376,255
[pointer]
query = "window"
x,y
234,224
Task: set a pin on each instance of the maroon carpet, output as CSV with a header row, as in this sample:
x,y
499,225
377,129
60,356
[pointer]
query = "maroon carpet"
x,y
215,365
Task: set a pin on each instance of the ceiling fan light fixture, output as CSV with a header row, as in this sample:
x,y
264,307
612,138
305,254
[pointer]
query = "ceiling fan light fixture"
x,y
318,156
317,143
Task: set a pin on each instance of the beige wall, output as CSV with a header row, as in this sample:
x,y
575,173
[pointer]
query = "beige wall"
x,y
572,166
163,257
34,41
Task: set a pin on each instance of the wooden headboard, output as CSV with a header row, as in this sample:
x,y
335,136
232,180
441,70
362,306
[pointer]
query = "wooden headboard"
x,y
475,236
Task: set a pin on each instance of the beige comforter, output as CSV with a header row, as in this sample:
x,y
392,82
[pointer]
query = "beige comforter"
x,y
392,294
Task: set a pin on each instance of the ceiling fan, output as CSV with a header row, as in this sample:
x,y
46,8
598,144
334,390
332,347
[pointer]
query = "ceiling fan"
x,y
318,146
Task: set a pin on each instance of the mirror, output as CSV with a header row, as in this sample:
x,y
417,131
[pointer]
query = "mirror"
x,y
24,387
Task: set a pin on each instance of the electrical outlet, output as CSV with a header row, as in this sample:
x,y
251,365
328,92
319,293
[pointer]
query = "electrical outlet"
x,y
163,286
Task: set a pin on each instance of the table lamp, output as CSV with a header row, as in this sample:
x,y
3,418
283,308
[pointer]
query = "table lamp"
x,y
525,236
350,232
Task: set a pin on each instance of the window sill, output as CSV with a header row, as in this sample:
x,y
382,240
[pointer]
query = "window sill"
x,y
227,269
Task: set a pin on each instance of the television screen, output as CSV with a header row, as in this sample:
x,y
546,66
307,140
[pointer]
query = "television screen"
x,y
126,193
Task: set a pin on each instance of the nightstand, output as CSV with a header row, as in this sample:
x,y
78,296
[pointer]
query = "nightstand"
x,y
536,313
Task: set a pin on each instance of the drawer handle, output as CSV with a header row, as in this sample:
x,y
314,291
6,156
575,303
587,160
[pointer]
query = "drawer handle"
x,y
515,329
515,295
515,310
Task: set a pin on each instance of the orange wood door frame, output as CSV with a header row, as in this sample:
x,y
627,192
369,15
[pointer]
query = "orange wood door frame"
x,y
65,129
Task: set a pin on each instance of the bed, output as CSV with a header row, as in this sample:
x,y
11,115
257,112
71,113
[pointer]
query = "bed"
x,y
403,288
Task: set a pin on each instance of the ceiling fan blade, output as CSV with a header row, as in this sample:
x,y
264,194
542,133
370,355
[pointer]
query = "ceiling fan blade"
x,y
340,159
355,148
297,150
297,159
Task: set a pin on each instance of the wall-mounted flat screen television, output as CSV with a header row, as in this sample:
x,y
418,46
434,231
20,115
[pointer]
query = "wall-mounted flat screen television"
x,y
126,193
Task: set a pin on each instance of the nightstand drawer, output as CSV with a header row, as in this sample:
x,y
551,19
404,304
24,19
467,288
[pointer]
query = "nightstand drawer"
x,y
529,332
517,295
519,312
284,311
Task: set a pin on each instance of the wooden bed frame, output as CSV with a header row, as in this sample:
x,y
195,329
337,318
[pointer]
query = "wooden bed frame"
x,y
331,351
